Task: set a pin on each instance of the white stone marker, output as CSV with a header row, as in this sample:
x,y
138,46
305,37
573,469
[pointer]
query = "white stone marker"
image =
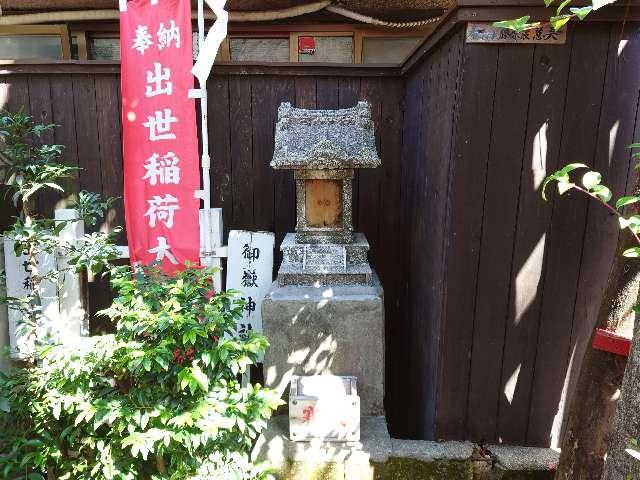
x,y
74,322
18,278
250,270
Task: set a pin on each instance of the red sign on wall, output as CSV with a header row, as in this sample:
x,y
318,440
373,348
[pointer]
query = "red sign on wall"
x,y
160,144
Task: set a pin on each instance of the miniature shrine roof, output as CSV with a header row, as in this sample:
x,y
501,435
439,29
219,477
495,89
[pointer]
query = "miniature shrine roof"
x,y
325,139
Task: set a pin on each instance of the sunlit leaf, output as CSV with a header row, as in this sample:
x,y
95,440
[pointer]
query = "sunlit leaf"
x,y
570,167
581,12
559,21
201,378
518,24
564,187
622,201
591,179
632,252
633,223
548,3
602,192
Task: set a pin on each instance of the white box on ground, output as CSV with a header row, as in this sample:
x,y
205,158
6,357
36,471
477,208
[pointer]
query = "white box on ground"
x,y
324,407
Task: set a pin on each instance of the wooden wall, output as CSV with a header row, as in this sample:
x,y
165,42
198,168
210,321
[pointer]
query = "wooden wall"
x,y
85,103
490,292
502,288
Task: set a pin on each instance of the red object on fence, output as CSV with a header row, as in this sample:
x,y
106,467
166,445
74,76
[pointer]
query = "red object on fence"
x,y
611,342
307,45
160,143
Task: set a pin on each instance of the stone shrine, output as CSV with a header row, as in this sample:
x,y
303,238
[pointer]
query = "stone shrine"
x,y
325,311
324,314
323,147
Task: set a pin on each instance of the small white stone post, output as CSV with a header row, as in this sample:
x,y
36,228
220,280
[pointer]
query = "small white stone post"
x,y
73,319
62,315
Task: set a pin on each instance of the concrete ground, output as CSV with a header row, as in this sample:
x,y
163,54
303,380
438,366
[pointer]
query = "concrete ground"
x,y
379,457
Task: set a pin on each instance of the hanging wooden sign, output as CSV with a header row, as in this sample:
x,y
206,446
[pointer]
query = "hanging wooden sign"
x,y
485,32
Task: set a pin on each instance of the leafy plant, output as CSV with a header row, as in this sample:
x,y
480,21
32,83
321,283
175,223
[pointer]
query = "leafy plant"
x,y
558,20
29,167
160,399
591,185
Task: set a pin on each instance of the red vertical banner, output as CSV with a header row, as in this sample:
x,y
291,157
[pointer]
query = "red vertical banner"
x,y
160,143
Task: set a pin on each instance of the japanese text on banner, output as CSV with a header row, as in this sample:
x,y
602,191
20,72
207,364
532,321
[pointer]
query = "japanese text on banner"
x,y
160,145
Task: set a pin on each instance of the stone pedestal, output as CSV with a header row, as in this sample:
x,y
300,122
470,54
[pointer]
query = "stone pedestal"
x,y
335,330
317,460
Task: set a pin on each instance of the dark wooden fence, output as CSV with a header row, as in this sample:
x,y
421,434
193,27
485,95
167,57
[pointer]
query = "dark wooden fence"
x,y
490,292
85,102
501,288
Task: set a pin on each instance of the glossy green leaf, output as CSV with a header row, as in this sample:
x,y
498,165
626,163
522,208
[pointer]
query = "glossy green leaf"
x,y
559,21
581,12
201,378
517,24
632,252
622,201
548,3
602,192
633,223
591,179
564,187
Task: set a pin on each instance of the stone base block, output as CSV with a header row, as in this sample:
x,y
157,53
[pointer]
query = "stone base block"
x,y
335,330
324,460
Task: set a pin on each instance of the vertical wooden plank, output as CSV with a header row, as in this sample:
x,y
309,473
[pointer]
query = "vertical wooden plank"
x,y
389,218
403,373
220,147
17,93
284,185
90,178
109,128
369,179
63,114
612,158
467,190
40,112
87,132
6,214
241,138
542,142
305,92
433,185
349,91
15,97
584,96
327,93
498,229
263,111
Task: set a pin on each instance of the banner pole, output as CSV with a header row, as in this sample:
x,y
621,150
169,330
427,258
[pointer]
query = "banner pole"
x,y
206,160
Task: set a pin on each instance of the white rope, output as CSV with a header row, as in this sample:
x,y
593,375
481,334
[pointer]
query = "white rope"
x,y
376,21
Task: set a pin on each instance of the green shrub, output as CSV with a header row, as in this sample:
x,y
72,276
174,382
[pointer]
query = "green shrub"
x,y
160,399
